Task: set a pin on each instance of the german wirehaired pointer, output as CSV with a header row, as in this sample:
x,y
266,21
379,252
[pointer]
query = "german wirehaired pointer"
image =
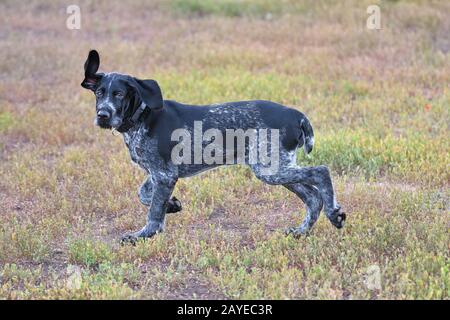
x,y
136,109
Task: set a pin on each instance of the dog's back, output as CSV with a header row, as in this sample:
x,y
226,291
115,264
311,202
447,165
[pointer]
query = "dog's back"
x,y
295,128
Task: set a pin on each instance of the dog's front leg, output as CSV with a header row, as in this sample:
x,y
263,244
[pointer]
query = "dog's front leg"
x,y
162,190
146,193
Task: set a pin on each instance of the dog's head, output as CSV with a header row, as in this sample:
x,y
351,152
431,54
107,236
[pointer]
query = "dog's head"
x,y
118,96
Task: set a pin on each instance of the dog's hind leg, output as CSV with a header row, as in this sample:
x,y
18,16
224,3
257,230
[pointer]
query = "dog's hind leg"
x,y
313,201
315,176
145,196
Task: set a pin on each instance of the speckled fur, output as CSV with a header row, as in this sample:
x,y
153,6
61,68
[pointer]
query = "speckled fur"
x,y
312,185
149,143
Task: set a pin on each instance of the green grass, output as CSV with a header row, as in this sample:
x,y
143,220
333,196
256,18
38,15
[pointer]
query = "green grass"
x,y
378,101
233,8
362,153
87,253
107,282
6,121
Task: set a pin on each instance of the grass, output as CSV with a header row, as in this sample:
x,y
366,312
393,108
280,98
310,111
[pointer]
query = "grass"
x,y
378,101
6,121
236,8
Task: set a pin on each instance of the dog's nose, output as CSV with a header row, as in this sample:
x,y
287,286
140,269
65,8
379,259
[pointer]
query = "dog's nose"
x,y
103,115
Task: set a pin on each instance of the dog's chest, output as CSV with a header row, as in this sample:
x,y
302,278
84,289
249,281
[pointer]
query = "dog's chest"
x,y
136,143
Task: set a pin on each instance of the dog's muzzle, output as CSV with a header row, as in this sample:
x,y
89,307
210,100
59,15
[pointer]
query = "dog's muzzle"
x,y
103,115
103,119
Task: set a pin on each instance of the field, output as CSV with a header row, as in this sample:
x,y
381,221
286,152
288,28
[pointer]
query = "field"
x,y
379,102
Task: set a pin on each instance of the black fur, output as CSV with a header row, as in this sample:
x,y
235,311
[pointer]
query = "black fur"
x,y
120,98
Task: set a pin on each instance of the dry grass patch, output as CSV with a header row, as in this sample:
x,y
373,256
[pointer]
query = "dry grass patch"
x,y
378,101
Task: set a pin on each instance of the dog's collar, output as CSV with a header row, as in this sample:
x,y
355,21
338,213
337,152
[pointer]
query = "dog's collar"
x,y
138,112
129,123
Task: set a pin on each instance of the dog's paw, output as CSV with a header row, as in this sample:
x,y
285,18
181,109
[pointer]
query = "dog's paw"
x,y
151,229
174,205
296,232
134,238
130,238
338,218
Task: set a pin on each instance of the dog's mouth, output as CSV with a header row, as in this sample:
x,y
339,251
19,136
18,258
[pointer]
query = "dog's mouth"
x,y
103,124
108,124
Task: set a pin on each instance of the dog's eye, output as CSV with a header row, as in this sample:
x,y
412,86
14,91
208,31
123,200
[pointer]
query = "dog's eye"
x,y
99,93
118,94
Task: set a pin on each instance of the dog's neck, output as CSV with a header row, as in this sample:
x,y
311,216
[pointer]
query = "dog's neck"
x,y
139,114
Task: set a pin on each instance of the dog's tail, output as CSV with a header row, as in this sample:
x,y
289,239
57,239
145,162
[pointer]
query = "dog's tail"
x,y
308,134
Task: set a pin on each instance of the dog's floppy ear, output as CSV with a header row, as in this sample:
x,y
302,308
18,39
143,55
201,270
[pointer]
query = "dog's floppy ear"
x,y
148,92
91,78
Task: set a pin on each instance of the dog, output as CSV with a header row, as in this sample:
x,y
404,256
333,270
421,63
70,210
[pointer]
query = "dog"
x,y
136,109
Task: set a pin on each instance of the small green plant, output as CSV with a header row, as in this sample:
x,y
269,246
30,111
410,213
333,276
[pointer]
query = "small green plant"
x,y
89,253
231,8
6,120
